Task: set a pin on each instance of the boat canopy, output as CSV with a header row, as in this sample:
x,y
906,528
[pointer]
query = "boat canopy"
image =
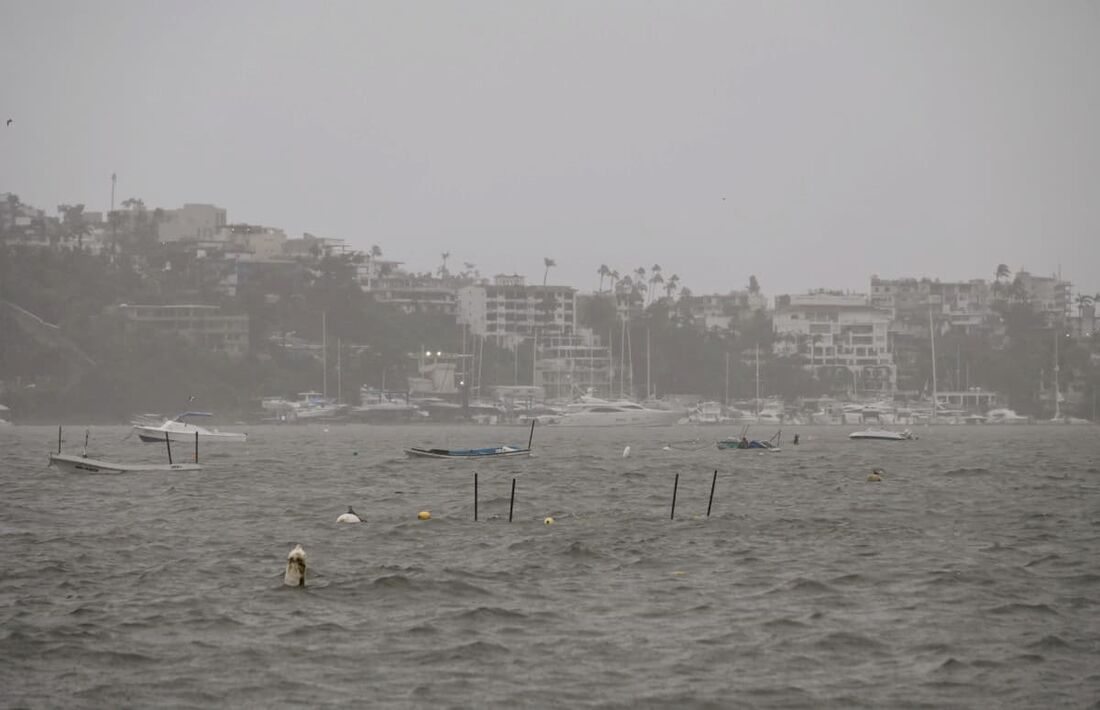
x,y
181,417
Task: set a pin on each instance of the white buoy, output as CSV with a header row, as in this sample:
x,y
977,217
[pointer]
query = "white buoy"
x,y
349,517
295,568
626,452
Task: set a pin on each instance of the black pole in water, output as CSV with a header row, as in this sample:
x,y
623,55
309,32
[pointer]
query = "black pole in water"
x,y
169,445
675,485
475,497
59,438
531,437
196,447
512,501
712,482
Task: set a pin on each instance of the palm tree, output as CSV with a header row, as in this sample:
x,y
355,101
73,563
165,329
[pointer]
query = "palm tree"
x,y
655,279
671,285
549,264
1002,275
73,224
754,285
614,280
603,271
375,251
443,269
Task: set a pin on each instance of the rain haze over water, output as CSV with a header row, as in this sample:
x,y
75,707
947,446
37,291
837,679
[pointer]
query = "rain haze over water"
x,y
365,250
811,144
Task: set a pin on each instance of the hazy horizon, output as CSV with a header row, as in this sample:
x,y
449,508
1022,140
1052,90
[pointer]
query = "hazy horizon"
x,y
809,144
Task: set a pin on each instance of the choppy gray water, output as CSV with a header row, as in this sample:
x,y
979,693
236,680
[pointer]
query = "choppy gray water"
x,y
968,577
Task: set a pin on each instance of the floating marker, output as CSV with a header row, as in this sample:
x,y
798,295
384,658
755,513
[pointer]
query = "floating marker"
x,y
475,496
295,575
424,515
626,452
548,520
713,481
675,485
512,501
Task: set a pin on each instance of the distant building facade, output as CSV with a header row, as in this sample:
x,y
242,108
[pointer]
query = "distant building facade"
x,y
509,309
205,327
569,365
722,311
963,306
844,338
193,222
1050,295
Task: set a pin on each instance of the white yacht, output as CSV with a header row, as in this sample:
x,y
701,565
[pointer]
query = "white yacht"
x,y
178,429
314,405
1005,416
883,435
592,411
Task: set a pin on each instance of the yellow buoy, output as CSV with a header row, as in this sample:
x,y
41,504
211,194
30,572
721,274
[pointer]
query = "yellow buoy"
x,y
423,515
548,521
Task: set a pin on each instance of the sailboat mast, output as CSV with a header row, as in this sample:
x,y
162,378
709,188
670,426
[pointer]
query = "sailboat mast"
x,y
324,354
932,335
1057,407
757,403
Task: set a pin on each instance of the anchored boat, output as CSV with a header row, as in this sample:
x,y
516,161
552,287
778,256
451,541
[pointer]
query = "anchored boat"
x,y
491,452
83,464
883,435
178,429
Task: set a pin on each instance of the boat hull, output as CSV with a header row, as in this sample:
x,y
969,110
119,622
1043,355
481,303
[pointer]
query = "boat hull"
x,y
83,464
878,436
154,435
445,454
599,420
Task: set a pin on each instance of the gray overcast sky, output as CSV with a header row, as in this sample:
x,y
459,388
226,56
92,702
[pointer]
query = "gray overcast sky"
x,y
809,143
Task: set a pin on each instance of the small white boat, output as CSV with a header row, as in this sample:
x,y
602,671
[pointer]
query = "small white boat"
x,y
82,464
1005,416
883,435
180,430
5,416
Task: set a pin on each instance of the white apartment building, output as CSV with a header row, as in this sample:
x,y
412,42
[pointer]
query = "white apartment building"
x,y
569,365
838,332
510,310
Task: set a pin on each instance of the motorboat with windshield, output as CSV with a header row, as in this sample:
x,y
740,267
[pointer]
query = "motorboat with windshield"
x,y
179,429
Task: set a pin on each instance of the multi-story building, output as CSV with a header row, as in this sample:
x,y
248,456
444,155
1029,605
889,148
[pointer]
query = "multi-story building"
x,y
1049,294
509,310
567,365
415,293
844,338
722,311
203,326
964,306
191,222
260,242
